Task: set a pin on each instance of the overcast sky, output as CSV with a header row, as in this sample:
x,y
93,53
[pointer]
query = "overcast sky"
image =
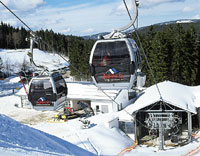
x,y
85,17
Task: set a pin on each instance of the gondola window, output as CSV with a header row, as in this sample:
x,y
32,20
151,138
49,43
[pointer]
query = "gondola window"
x,y
60,85
112,61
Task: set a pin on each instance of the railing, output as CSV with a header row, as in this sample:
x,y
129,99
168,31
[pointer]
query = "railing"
x,y
8,88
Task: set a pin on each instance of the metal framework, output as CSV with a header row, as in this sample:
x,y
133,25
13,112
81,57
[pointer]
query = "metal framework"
x,y
164,117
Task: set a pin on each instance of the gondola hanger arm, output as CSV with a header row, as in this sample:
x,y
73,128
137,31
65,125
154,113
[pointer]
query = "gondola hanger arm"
x,y
118,32
134,4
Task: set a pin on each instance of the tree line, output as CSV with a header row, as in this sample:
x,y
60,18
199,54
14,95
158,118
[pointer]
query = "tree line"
x,y
173,52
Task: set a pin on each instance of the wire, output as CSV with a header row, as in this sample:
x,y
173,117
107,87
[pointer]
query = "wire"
x,y
16,16
145,56
123,109
84,76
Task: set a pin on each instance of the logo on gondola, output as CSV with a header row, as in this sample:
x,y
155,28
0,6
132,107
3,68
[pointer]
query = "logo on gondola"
x,y
41,101
112,73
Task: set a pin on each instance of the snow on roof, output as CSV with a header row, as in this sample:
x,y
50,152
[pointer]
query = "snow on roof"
x,y
172,93
88,91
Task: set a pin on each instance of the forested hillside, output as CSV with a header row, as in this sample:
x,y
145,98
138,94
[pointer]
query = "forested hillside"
x,y
184,23
173,51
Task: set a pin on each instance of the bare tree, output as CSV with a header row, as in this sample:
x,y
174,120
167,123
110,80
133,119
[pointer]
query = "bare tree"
x,y
7,67
1,64
25,65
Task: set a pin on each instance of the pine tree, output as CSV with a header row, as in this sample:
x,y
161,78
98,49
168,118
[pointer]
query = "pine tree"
x,y
178,57
147,45
169,36
159,57
190,56
74,58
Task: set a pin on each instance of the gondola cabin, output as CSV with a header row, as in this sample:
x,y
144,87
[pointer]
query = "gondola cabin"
x,y
47,92
114,62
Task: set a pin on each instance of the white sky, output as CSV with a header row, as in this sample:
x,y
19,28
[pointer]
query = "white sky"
x,y
85,17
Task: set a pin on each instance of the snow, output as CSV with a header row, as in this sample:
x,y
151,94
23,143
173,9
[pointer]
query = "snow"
x,y
16,58
172,93
77,90
16,135
97,139
184,21
7,87
26,131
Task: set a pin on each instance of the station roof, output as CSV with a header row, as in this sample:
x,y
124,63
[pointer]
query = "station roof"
x,y
88,91
181,96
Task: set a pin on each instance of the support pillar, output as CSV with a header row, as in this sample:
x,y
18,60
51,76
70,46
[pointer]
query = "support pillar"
x,y
189,127
161,136
135,127
198,114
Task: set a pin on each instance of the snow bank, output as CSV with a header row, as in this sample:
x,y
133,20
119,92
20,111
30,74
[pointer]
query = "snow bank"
x,y
98,139
16,135
108,141
15,79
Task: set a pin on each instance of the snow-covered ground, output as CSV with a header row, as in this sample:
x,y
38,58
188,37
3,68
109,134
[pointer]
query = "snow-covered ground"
x,y
15,135
25,131
15,58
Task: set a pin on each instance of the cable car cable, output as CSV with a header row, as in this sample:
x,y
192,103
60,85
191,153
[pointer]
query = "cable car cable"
x,y
16,16
123,109
146,59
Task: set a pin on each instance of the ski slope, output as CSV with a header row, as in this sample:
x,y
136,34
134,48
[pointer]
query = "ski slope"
x,y
16,135
15,58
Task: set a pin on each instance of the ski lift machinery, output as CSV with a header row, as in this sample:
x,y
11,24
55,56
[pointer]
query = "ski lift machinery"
x,y
48,90
115,60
